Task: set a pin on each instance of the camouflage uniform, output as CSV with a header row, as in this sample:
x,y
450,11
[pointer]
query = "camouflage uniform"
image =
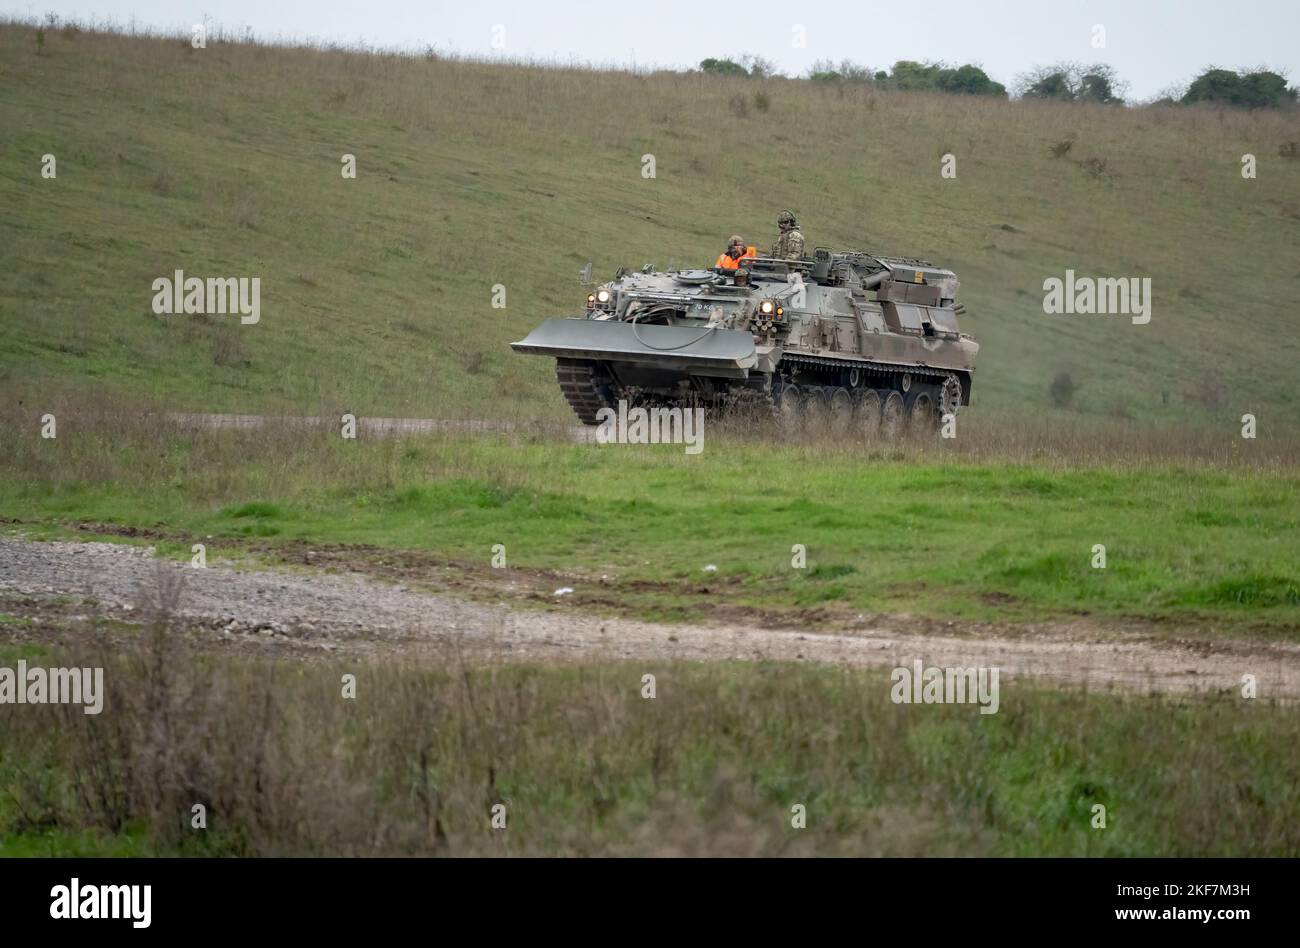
x,y
789,246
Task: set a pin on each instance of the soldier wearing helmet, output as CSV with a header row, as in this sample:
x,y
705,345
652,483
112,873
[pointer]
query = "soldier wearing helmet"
x,y
789,246
735,254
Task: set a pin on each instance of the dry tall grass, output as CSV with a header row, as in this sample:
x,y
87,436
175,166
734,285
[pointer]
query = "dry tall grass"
x,y
285,764
126,445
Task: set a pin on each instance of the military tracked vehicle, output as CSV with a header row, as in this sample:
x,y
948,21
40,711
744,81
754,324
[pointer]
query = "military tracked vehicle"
x,y
864,342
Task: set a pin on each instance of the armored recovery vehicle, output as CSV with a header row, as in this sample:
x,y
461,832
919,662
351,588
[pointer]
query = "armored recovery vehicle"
x,y
866,342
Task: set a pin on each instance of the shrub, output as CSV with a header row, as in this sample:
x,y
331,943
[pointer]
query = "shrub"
x,y
1072,82
1096,167
908,75
1253,90
1062,390
723,67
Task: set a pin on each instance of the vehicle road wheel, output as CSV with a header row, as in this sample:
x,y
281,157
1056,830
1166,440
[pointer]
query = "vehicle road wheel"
x,y
893,415
841,404
921,416
869,413
816,409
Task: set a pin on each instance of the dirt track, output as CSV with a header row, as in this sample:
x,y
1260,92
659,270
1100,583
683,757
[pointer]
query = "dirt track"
x,y
299,614
380,427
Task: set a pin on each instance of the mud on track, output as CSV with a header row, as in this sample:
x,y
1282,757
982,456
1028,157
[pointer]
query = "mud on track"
x,y
61,585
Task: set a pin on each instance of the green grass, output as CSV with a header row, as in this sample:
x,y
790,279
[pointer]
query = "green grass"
x,y
891,530
585,765
377,291
58,843
29,652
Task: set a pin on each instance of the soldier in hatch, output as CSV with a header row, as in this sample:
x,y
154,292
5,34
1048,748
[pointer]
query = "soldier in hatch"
x,y
789,246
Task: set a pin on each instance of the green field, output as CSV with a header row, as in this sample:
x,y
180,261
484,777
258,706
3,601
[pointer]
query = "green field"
x,y
904,528
376,292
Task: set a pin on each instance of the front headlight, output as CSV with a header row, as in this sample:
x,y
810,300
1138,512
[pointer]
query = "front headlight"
x,y
602,296
767,307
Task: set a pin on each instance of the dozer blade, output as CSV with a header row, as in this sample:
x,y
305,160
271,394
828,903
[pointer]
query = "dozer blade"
x,y
728,353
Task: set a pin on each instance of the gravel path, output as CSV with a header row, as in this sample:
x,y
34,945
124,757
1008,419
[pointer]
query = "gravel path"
x,y
352,613
382,427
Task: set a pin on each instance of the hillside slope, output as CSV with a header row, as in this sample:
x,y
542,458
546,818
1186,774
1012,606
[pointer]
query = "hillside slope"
x,y
376,292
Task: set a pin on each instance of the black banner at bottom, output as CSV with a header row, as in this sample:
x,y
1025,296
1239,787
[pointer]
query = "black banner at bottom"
x,y
335,896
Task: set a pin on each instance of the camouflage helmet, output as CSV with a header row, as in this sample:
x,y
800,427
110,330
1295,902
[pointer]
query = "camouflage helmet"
x,y
735,241
787,217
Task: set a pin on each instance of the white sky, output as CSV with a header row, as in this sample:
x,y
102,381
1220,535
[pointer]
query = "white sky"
x,y
1152,44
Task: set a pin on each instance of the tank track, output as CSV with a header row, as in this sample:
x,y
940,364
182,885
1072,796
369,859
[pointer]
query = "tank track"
x,y
581,383
883,368
578,383
927,375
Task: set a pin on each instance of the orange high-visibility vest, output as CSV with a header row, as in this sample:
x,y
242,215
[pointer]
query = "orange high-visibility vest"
x,y
727,263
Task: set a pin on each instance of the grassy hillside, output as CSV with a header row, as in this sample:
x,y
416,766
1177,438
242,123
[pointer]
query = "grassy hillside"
x,y
376,292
